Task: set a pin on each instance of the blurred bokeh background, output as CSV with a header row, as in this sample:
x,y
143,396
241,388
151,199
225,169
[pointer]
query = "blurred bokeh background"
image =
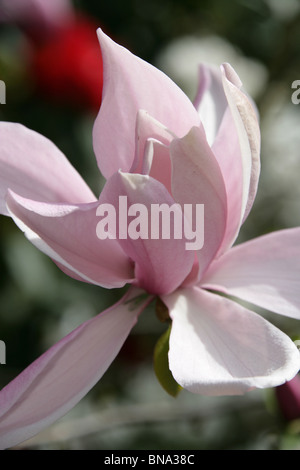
x,y
54,87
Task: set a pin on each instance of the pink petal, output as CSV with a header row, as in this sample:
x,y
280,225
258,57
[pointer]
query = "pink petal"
x,y
264,271
34,167
245,118
218,347
160,264
197,179
131,84
57,380
157,163
67,233
227,151
232,131
210,101
148,128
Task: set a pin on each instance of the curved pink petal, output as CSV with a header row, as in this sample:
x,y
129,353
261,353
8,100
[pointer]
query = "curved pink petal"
x,y
232,130
32,166
57,380
227,151
264,271
210,101
245,118
218,347
131,84
68,234
148,128
161,264
197,179
157,163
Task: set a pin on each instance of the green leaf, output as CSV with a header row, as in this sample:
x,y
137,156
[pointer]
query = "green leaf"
x,y
161,365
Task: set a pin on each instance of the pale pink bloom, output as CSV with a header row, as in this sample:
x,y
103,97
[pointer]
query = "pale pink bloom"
x,y
36,13
154,146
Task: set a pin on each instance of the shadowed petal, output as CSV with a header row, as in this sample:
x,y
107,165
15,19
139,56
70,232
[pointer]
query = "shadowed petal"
x,y
32,166
264,271
210,101
218,347
157,163
246,122
222,135
232,130
57,380
227,151
148,128
197,179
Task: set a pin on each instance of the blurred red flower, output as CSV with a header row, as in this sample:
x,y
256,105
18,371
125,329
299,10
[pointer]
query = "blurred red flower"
x,y
67,66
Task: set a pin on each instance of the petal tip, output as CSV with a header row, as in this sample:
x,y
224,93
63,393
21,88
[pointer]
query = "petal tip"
x,y
231,75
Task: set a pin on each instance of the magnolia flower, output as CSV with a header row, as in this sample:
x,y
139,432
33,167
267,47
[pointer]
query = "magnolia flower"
x,y
154,147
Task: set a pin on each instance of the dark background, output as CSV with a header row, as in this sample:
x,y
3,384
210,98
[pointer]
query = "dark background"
x,y
39,304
